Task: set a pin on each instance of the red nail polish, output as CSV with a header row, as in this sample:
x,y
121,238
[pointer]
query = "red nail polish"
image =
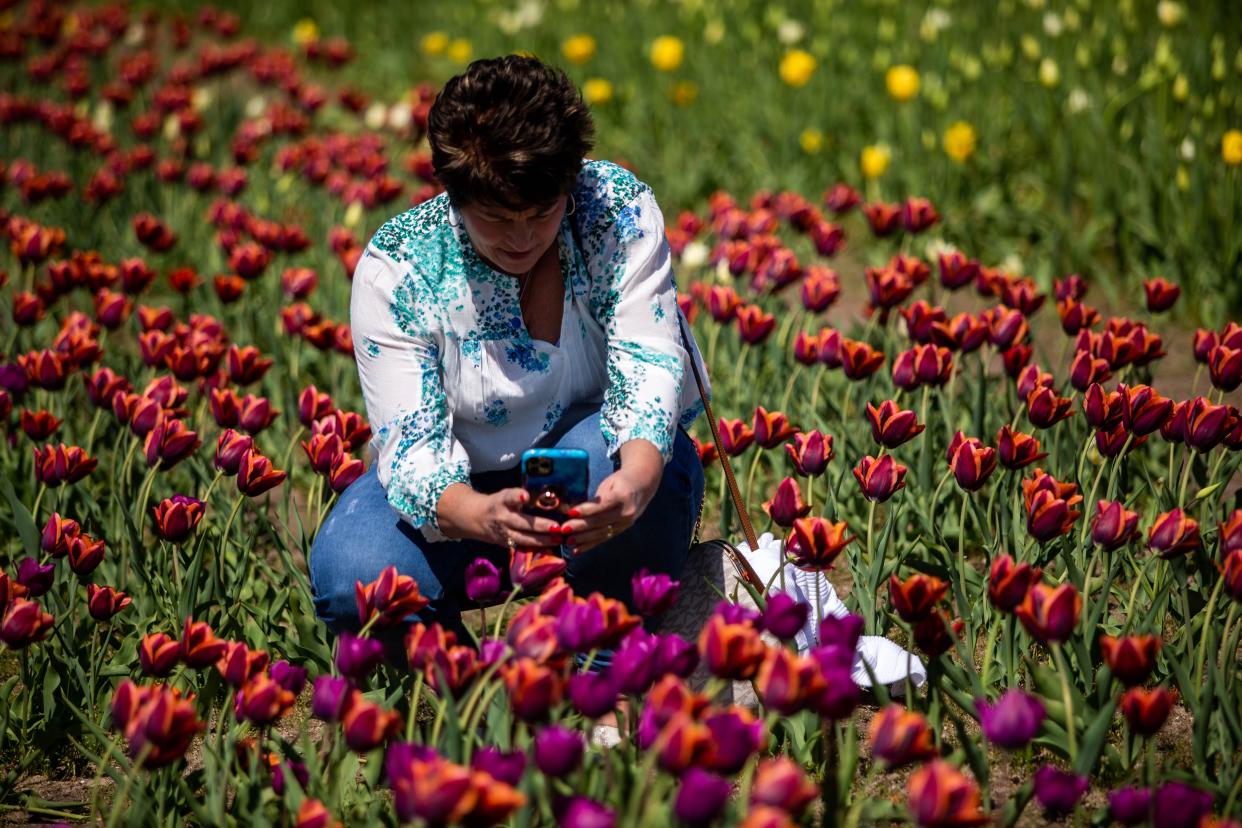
x,y
556,527
573,513
570,540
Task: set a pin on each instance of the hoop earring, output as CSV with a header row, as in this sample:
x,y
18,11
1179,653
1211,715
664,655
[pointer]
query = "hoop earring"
x,y
572,205
453,224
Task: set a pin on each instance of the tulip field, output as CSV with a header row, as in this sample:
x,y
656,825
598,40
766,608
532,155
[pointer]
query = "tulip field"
x,y
1012,443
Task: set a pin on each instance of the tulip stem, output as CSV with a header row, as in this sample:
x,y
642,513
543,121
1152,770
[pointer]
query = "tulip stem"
x,y
500,617
1187,462
224,536
38,499
415,698
140,505
1207,625
870,530
1068,700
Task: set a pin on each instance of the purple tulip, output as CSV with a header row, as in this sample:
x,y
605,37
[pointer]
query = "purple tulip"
x,y
328,698
633,667
841,694
593,694
502,766
558,750
785,616
1129,806
653,593
288,676
1058,791
1012,720
35,576
1175,804
278,775
580,626
580,812
701,797
737,614
357,657
676,655
734,739
482,581
842,632
491,651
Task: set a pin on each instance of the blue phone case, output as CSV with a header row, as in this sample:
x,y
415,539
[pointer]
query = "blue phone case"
x,y
555,478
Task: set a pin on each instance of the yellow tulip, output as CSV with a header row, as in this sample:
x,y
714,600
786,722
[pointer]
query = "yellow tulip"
x,y
1049,73
305,31
667,53
684,92
597,91
434,43
459,50
902,82
1231,147
578,49
875,160
959,141
811,140
797,67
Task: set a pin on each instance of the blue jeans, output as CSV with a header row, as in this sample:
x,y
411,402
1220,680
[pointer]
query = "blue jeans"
x,y
362,535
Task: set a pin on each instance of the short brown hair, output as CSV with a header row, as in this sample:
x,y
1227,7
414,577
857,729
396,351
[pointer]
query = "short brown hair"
x,y
511,132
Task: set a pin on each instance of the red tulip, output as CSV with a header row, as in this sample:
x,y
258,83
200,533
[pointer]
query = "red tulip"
x,y
1143,409
888,288
810,452
1087,369
786,504
1044,408
1206,425
1225,367
262,701
170,442
1161,294
105,602
1009,582
735,436
1050,614
1114,525
1075,316
246,365
883,218
1231,574
1103,409
731,650
23,623
56,465
917,214
1007,328
230,449
1173,533
915,597
829,346
1131,658
1016,449
389,598
84,554
158,654
1231,533
879,478
935,634
858,359
956,270
891,425
1146,711
344,472
820,288
900,737
922,365
238,663
57,533
815,543
771,428
941,796
972,462
153,233
533,688
38,425
722,303
1015,359
199,646
841,198
157,721
922,319
255,474
788,683
754,326
313,405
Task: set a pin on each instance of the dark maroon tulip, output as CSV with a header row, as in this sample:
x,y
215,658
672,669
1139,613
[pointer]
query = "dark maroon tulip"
x,y
313,404
175,518
105,602
936,633
1087,369
1015,359
329,697
891,425
85,553
786,504
503,766
1202,343
1017,450
357,657
972,462
24,622
482,581
593,694
1173,533
900,737
1050,614
1205,424
344,472
785,616
810,452
159,653
558,750
914,597
653,593
1129,806
1114,525
922,365
1045,408
1161,294
261,701
1008,582
1007,327
841,198
1145,710
57,533
1030,378
1103,409
701,797
1049,516
922,319
956,271
1176,804
1012,720
1143,409
36,577
858,359
1058,791
239,663
1072,287
256,474
1075,316
879,478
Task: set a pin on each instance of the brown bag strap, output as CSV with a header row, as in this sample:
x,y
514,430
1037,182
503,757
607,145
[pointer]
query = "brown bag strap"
x,y
745,570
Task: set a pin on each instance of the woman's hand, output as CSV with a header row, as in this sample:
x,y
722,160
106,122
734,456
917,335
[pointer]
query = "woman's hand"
x,y
619,500
494,518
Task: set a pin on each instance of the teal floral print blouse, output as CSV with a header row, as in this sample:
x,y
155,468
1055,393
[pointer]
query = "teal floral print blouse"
x,y
454,383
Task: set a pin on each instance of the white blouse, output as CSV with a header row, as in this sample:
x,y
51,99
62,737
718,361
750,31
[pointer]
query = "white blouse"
x,y
454,383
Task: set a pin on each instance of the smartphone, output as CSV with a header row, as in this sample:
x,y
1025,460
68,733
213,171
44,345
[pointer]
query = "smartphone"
x,y
556,480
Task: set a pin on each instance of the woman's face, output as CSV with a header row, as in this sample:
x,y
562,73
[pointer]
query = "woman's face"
x,y
513,241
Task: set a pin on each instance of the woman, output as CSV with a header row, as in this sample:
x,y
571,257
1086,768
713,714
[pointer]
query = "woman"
x,y
531,304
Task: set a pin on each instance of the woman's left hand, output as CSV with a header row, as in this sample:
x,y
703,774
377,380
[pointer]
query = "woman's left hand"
x,y
619,500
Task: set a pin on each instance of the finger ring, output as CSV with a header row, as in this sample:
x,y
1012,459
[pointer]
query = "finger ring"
x,y
609,528
509,538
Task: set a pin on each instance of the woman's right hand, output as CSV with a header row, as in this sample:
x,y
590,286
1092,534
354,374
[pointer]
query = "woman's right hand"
x,y
495,518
